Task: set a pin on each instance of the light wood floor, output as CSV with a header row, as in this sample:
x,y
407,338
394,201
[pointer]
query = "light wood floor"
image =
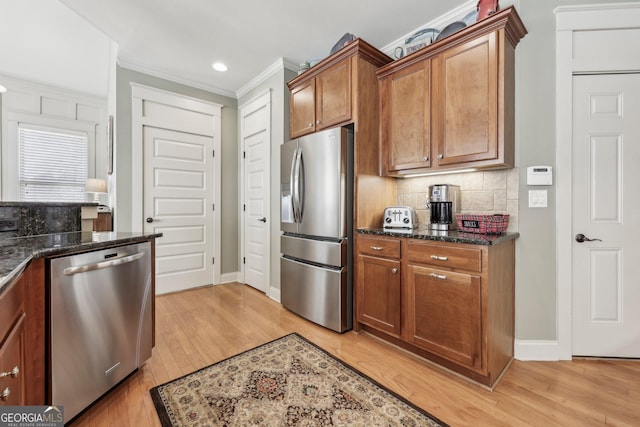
x,y
200,327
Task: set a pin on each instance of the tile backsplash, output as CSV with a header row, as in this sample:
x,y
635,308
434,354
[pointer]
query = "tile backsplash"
x,y
481,193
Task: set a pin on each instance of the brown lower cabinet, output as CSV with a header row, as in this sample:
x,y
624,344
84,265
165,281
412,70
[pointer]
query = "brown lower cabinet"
x,y
22,357
452,303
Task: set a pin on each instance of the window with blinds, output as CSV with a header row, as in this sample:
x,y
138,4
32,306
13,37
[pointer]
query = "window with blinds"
x,y
53,164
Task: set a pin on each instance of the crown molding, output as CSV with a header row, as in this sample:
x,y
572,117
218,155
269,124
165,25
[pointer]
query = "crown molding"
x,y
166,76
276,67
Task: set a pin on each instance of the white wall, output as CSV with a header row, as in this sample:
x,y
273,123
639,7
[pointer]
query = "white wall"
x,y
44,41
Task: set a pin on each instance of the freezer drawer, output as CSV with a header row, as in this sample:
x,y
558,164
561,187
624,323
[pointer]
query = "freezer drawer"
x,y
321,295
316,251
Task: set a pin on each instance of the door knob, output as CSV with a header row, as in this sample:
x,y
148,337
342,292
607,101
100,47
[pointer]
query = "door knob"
x,y
582,238
149,219
263,219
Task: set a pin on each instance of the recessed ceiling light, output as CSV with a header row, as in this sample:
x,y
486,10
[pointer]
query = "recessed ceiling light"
x,y
219,66
2,89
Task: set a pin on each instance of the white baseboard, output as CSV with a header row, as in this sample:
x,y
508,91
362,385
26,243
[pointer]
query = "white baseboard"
x,y
274,294
536,350
230,277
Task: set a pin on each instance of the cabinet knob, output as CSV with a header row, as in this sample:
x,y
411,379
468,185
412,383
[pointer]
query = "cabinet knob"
x,y
425,159
441,156
317,122
394,270
5,394
310,125
13,373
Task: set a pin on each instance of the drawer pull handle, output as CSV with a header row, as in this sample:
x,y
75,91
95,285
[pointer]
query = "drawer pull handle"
x,y
438,276
13,373
394,270
5,394
377,248
439,258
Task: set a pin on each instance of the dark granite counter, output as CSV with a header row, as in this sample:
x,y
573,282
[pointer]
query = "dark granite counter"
x,y
16,252
443,236
46,204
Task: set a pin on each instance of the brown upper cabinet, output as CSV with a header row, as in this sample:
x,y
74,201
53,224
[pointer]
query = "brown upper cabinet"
x,y
323,101
450,105
324,96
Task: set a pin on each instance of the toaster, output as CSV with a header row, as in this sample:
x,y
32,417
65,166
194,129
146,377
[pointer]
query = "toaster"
x,y
399,217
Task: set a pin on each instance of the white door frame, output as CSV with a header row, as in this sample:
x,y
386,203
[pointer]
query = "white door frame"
x,y
138,94
569,21
263,99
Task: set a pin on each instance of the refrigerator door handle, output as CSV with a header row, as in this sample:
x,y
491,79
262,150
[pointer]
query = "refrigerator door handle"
x,y
300,191
298,182
293,183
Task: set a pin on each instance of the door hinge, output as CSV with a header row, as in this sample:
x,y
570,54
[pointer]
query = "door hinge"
x,y
244,208
213,206
244,154
244,260
213,260
213,153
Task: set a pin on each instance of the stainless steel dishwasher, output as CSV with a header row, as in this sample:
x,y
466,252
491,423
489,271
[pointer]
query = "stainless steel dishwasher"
x,y
100,322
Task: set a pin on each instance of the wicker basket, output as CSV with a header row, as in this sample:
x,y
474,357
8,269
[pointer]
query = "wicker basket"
x,y
482,224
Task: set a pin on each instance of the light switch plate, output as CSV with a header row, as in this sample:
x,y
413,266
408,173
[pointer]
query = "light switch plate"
x,y
537,198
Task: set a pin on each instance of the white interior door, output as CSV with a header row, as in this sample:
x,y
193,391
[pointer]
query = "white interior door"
x,y
177,203
256,142
606,206
176,146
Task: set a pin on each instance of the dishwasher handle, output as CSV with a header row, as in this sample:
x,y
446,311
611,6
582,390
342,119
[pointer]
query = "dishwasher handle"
x,y
70,271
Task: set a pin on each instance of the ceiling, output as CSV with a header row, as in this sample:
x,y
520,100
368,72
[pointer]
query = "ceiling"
x,y
179,40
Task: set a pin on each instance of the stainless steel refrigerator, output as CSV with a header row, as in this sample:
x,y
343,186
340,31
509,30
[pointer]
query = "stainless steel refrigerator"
x,y
316,219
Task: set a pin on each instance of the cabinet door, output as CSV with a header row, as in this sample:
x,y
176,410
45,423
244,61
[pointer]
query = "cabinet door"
x,y
406,118
443,314
378,293
333,95
302,113
12,366
465,109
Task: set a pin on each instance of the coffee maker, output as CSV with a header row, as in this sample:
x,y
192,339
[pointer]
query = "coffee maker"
x,y
443,202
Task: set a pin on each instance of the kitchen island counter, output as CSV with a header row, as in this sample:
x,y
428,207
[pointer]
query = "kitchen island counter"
x,y
17,252
443,236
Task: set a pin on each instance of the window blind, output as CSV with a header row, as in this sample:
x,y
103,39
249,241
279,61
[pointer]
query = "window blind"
x,y
53,164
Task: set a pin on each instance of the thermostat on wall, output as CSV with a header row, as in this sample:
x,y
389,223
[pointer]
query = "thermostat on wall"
x,y
539,175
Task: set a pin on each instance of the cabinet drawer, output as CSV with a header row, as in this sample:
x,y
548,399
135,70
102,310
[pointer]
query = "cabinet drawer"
x,y
388,248
11,305
463,258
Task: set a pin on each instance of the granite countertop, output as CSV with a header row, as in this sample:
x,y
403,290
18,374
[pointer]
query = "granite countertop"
x,y
16,252
443,236
45,204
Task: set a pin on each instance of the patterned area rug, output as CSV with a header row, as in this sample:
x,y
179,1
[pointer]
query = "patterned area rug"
x,y
287,382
